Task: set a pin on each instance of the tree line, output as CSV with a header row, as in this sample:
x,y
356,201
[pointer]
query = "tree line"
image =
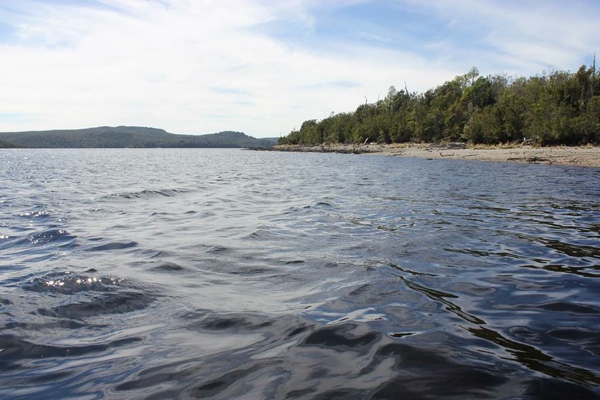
x,y
126,136
556,108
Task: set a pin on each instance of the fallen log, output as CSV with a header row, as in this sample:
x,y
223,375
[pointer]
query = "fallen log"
x,y
530,160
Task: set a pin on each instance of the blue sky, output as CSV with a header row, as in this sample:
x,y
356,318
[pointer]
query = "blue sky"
x,y
259,66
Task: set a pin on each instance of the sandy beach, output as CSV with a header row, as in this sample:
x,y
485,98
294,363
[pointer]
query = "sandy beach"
x,y
587,156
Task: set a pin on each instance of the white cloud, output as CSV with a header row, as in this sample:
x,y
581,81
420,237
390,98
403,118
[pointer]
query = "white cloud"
x,y
521,37
256,66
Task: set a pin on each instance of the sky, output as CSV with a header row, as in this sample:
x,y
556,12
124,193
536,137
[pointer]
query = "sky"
x,y
262,67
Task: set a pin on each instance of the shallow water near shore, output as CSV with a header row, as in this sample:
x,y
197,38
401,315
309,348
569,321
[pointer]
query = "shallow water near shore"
x,y
196,273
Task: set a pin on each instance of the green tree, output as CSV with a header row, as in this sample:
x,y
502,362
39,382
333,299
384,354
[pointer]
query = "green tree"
x,y
555,108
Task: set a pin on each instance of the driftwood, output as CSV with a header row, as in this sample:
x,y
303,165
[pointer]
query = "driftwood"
x,y
530,160
535,160
446,155
447,146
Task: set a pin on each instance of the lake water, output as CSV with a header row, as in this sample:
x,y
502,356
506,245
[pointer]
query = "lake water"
x,y
168,273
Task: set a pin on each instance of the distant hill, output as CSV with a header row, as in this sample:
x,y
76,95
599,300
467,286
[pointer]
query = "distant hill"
x,y
127,136
4,144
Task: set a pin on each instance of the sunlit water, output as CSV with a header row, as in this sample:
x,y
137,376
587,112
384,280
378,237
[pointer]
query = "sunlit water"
x,y
258,275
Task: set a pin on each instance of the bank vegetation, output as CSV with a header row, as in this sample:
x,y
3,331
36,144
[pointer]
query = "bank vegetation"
x,y
555,108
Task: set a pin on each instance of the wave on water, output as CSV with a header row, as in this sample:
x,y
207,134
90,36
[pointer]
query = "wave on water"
x,y
229,274
149,193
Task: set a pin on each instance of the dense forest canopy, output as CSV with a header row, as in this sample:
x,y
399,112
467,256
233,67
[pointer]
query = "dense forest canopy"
x,y
552,109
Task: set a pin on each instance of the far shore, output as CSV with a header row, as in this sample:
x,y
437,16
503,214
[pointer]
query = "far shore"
x,y
586,156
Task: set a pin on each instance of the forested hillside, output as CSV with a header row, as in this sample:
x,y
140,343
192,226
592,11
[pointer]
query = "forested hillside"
x,y
126,136
551,109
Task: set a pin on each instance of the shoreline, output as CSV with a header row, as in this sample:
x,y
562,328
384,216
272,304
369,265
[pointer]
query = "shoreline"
x,y
582,156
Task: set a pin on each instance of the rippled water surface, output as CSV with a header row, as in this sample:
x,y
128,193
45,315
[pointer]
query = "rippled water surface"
x,y
229,274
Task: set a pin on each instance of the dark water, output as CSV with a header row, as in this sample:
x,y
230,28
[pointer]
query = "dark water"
x,y
234,274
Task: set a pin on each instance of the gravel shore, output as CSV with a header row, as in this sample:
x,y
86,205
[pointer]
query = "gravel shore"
x,y
587,156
